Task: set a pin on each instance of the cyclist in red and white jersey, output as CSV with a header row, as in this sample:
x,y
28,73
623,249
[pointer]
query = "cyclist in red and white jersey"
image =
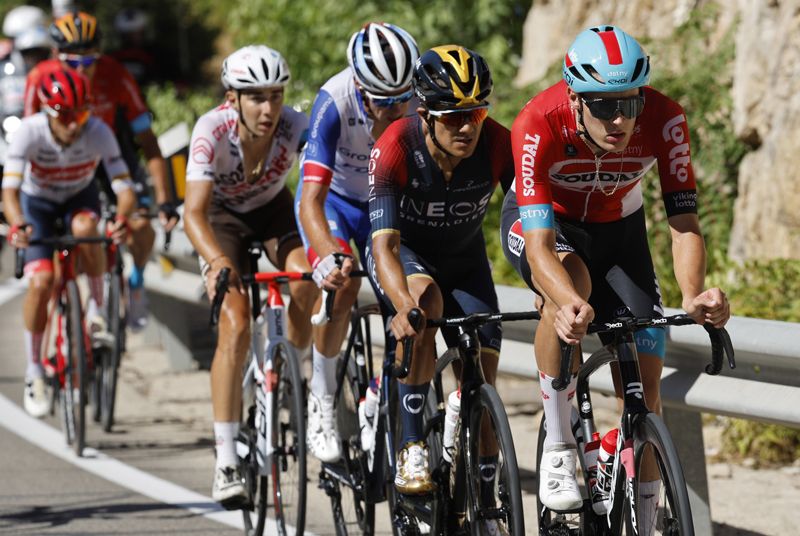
x,y
236,193
117,100
575,230
49,176
351,111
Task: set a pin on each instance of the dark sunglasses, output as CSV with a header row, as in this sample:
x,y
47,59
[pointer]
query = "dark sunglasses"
x,y
78,60
67,116
386,102
456,118
606,109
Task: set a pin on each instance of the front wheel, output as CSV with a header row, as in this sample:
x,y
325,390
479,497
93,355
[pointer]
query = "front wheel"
x,y
668,512
74,394
494,496
289,477
254,514
111,357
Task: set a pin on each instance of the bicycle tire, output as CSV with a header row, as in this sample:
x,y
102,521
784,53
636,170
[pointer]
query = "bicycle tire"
x,y
289,477
508,493
111,357
349,504
674,515
75,375
255,483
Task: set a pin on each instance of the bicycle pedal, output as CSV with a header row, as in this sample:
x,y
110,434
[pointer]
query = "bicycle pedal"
x,y
237,503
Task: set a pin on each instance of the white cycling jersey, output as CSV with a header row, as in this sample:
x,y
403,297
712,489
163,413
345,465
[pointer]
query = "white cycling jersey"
x,y
215,154
340,138
42,167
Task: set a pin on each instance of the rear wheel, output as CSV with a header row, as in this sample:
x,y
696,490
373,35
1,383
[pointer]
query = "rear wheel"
x,y
74,395
111,356
492,502
289,438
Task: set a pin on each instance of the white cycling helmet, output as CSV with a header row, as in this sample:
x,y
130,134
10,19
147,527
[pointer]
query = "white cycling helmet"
x,y
255,66
382,57
36,37
130,20
22,18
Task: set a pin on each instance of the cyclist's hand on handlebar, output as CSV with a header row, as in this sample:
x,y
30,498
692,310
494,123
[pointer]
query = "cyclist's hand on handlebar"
x,y
119,229
401,327
234,281
168,216
19,235
572,321
710,306
329,275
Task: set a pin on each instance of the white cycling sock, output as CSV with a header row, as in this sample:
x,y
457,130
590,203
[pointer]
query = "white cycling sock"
x,y
33,349
225,443
648,505
323,374
557,410
96,288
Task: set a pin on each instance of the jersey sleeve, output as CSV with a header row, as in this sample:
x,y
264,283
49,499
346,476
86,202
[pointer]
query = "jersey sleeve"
x,y
531,141
202,151
500,153
673,153
130,96
323,137
111,156
388,175
17,157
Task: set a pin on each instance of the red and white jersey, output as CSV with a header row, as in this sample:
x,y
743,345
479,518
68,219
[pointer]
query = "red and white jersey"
x,y
555,168
42,167
215,154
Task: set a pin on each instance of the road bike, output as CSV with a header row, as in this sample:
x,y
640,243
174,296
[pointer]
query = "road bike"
x,y
641,433
272,440
67,349
465,502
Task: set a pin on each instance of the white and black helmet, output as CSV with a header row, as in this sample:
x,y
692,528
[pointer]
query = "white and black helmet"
x,y
22,18
382,57
255,66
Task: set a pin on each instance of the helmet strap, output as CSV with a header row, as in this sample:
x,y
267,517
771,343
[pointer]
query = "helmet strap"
x,y
432,131
583,132
241,116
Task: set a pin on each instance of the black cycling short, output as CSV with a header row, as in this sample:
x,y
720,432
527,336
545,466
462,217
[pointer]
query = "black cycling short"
x,y
616,253
466,286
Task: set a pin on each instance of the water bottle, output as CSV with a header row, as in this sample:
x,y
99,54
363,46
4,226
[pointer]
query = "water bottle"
x,y
367,407
605,465
450,420
590,454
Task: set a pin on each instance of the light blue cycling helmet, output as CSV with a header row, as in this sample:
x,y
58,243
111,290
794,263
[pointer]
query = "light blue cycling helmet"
x,y
605,59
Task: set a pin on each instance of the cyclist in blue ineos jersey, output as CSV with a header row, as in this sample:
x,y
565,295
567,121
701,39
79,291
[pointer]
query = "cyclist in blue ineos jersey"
x,y
431,179
350,112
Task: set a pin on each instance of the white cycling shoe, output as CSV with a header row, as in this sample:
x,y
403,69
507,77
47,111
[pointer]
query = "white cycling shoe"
x,y
228,488
558,488
322,436
36,399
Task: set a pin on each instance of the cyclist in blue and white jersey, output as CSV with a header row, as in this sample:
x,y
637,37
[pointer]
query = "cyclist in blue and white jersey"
x,y
350,112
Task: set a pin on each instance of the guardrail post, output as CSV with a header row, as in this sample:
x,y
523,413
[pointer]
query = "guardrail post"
x,y
686,428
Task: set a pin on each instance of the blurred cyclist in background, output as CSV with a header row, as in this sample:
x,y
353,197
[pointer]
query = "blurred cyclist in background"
x,y
134,52
116,99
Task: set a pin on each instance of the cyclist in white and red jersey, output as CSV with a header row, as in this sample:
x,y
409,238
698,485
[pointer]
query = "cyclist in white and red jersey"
x,y
350,112
49,176
239,157
575,229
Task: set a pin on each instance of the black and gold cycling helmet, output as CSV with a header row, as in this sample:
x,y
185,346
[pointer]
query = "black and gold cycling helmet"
x,y
451,77
75,32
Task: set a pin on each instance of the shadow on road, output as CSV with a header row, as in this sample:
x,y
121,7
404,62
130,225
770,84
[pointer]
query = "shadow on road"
x,y
723,529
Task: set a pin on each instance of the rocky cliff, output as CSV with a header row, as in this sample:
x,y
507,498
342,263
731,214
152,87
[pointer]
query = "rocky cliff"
x,y
765,94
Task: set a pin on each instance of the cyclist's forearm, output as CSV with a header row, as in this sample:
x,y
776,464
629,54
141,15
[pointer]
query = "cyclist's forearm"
x,y
689,259
390,272
156,165
315,224
11,206
201,235
126,202
550,277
